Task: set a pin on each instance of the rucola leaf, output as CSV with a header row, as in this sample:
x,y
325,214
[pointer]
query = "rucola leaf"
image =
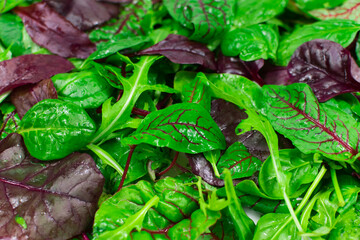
x,y
185,127
34,68
55,201
327,67
52,31
313,128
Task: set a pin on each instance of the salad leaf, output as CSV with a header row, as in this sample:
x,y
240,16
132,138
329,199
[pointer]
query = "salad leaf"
x,y
10,121
348,10
34,69
314,4
51,31
55,201
197,91
47,120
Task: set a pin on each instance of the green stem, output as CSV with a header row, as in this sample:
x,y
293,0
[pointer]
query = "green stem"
x,y
292,213
337,187
106,158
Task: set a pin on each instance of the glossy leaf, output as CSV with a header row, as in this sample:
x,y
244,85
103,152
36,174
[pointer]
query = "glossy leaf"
x,y
347,227
350,9
34,69
185,127
8,5
239,161
27,96
251,43
249,12
209,19
53,129
307,5
55,201
327,67
10,121
294,111
197,91
179,49
84,14
53,32
86,88
337,30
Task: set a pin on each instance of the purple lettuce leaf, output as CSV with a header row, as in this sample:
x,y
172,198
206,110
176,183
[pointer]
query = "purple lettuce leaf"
x,y
235,65
275,75
84,14
56,200
27,96
327,67
34,68
179,49
52,31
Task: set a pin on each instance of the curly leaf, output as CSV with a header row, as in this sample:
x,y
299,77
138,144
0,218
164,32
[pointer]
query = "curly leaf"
x,y
314,128
184,127
208,18
53,129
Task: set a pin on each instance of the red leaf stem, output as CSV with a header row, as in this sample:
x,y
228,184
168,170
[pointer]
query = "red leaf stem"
x,y
171,165
132,148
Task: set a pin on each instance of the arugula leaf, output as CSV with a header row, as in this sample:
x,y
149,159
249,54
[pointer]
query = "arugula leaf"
x,y
53,129
184,127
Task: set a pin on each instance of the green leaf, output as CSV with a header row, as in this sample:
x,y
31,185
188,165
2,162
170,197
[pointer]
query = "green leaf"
x,y
312,127
196,91
209,19
10,121
5,54
184,127
347,227
86,88
249,12
239,161
337,30
7,5
53,129
251,43
307,5
350,9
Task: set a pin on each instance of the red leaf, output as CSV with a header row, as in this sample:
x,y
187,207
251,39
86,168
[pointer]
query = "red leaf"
x,y
52,31
34,68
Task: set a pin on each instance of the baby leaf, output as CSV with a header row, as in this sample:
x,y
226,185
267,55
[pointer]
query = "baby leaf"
x,y
294,111
53,129
197,91
350,9
185,127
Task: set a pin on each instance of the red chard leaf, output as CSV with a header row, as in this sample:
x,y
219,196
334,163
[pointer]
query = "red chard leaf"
x,y
180,49
56,201
235,65
350,9
327,67
34,68
52,31
84,14
25,97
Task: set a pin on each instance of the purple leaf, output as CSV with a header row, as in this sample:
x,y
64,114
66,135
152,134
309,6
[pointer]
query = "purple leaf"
x,y
274,75
25,97
180,49
84,14
52,31
56,200
235,65
327,67
34,68
116,1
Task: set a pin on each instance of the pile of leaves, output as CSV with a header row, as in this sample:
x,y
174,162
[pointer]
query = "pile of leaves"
x,y
201,119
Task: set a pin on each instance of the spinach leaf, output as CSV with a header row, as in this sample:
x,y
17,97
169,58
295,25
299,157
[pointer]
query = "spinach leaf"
x,y
185,127
53,129
251,43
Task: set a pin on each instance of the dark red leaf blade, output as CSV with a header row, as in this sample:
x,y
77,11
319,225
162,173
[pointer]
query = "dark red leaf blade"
x,y
52,31
84,14
25,97
56,200
180,49
327,67
30,69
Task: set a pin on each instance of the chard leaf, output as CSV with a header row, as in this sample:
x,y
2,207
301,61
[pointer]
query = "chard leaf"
x,y
327,67
337,30
86,88
348,10
185,127
53,32
25,97
250,12
10,121
56,200
294,111
34,69
239,161
251,43
179,49
209,19
307,5
53,129
197,91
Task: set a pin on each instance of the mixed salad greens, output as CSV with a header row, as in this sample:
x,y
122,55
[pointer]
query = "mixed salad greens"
x,y
175,119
